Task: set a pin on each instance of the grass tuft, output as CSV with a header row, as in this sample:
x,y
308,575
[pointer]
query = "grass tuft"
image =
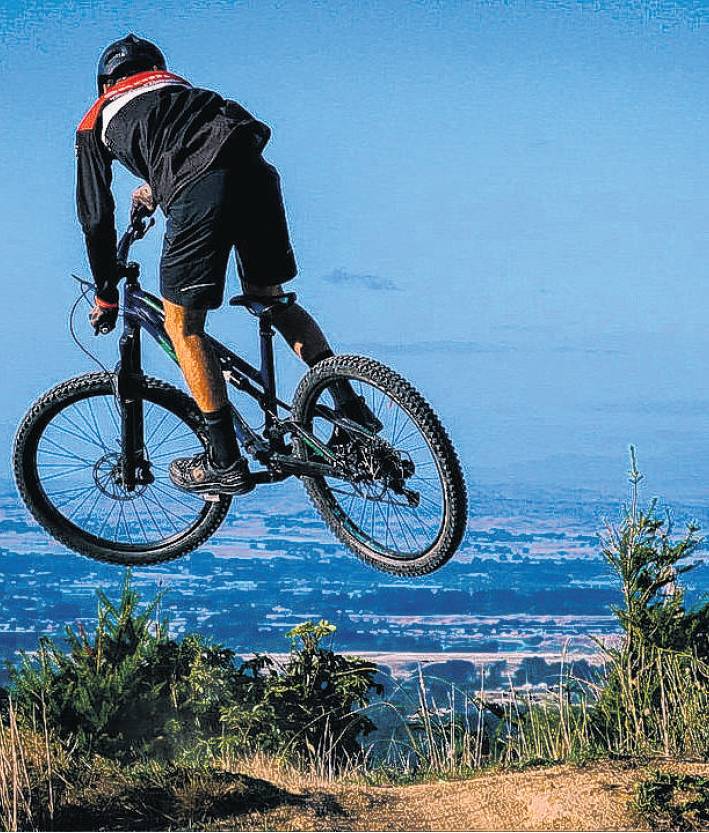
x,y
674,801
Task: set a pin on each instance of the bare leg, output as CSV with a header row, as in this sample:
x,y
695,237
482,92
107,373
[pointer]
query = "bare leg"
x,y
308,342
204,379
199,365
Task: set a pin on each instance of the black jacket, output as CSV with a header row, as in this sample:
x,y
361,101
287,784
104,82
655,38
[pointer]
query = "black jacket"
x,y
164,131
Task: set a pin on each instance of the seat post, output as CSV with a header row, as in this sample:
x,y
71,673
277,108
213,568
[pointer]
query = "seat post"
x,y
268,371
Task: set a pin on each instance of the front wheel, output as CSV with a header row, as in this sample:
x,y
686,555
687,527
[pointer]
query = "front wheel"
x,y
67,461
403,506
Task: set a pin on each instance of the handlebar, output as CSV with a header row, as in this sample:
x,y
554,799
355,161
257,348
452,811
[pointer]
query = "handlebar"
x,y
138,227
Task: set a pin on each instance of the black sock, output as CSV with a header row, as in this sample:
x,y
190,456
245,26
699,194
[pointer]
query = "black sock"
x,y
223,447
344,394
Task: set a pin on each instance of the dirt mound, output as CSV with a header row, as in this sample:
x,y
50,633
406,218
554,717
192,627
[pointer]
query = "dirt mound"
x,y
595,797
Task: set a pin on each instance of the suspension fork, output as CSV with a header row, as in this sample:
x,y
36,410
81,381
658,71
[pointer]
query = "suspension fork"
x,y
135,468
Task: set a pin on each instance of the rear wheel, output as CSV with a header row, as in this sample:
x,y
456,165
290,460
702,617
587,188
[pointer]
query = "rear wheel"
x,y
404,508
67,465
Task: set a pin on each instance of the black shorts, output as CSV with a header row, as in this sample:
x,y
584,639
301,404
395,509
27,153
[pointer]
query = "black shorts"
x,y
241,207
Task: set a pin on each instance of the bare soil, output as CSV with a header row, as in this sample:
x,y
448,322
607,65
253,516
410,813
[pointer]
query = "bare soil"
x,y
595,797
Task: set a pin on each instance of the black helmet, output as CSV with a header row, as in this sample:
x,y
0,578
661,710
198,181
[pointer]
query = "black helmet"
x,y
127,56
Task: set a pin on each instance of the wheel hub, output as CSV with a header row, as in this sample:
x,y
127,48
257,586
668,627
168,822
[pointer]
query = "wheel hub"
x,y
108,477
377,464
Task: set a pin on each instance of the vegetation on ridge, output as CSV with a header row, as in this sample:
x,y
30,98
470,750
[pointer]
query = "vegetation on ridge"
x,y
132,692
132,724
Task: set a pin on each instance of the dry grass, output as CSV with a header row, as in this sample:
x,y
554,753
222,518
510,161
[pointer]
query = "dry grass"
x,y
262,792
15,784
463,731
31,779
595,797
276,770
678,725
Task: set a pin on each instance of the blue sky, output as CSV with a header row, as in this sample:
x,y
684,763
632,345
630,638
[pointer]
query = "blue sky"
x,y
506,201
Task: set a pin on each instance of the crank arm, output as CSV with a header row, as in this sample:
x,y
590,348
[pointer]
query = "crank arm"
x,y
254,445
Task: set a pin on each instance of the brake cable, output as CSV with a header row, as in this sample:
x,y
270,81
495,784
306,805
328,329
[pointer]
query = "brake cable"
x,y
137,229
85,287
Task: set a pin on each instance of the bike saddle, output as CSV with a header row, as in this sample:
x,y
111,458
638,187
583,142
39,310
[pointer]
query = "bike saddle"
x,y
262,305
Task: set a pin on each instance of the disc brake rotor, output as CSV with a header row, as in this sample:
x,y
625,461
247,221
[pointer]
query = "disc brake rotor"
x,y
109,479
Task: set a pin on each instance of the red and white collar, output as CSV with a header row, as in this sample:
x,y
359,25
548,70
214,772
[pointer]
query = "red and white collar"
x,y
136,84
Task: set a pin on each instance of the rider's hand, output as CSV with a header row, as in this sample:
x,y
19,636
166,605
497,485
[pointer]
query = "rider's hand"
x,y
103,316
142,199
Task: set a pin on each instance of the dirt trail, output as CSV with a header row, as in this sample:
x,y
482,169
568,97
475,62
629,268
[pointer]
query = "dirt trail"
x,y
596,797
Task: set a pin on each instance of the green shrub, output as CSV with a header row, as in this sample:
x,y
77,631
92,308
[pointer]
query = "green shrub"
x,y
656,694
309,708
669,801
131,691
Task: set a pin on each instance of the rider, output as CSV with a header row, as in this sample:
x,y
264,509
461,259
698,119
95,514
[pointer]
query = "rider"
x,y
200,157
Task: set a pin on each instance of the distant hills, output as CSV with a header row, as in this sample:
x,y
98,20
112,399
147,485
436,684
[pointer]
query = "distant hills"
x,y
528,581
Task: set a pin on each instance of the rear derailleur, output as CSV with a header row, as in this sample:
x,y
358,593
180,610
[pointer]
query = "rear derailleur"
x,y
374,462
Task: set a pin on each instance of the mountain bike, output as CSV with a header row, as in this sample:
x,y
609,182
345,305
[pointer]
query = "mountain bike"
x,y
91,456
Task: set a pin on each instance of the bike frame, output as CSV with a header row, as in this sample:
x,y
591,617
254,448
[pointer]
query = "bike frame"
x,y
143,311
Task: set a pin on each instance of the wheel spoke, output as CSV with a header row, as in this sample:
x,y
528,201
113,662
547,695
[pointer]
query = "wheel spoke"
x,y
80,449
140,521
154,457
68,491
402,440
79,436
44,452
63,451
116,531
105,520
90,513
112,408
166,512
150,512
174,497
63,473
377,502
398,514
95,424
167,436
157,427
76,509
89,427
